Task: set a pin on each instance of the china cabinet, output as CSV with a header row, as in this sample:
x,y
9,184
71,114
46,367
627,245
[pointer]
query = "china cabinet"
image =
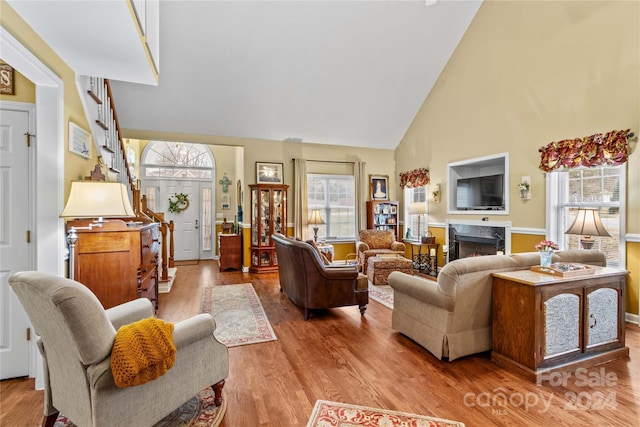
x,y
268,216
382,215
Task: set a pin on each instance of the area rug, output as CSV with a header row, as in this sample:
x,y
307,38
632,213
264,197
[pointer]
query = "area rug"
x,y
336,414
382,294
240,318
197,412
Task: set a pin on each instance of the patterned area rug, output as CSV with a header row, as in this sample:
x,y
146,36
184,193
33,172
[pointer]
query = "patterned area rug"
x,y
382,294
197,412
334,414
240,318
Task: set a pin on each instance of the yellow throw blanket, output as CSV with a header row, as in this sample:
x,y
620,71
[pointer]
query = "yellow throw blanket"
x,y
142,351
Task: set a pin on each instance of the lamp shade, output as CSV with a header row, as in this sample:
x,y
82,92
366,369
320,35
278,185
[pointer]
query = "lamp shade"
x,y
588,223
417,208
316,218
95,199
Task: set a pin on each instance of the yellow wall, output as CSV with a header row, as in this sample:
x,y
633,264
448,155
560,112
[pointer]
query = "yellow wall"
x,y
23,90
526,74
75,167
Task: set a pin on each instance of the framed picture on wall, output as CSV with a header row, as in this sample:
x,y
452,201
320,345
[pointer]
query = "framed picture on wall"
x,y
269,173
379,187
79,141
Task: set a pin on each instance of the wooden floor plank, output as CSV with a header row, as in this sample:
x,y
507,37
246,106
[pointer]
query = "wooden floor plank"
x,y
340,355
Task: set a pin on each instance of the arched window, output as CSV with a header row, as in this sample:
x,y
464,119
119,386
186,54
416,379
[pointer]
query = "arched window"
x,y
177,160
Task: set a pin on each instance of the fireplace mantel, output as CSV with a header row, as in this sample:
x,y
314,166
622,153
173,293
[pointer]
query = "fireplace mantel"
x,y
473,238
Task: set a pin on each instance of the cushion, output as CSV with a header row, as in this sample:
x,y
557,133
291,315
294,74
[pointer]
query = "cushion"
x,y
323,258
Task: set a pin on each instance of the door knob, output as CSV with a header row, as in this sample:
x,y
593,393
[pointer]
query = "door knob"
x,y
196,224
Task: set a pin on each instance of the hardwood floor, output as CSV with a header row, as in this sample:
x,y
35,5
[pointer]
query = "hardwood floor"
x,y
341,356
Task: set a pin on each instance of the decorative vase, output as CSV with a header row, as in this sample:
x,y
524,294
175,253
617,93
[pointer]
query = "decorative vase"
x,y
545,258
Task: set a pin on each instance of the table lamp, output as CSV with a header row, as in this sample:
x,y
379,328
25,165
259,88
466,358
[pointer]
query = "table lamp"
x,y
587,224
418,208
315,220
94,199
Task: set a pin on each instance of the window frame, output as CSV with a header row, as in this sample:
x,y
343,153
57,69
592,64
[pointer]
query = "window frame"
x,y
556,185
326,210
409,196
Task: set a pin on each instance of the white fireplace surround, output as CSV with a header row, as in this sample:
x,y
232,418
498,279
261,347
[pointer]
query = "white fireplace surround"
x,y
469,224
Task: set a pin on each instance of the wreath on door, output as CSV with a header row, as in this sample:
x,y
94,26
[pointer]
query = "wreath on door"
x,y
178,203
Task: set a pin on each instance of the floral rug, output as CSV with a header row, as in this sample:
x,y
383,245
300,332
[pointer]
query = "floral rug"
x,y
197,412
382,294
240,318
336,414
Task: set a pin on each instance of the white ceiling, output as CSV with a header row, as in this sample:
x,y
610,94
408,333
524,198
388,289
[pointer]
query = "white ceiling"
x,y
331,72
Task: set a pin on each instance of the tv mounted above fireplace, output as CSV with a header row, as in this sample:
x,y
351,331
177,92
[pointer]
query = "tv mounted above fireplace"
x,y
479,185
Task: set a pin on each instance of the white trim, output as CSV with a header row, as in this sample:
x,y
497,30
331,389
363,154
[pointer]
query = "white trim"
x,y
632,318
632,237
48,198
437,225
532,231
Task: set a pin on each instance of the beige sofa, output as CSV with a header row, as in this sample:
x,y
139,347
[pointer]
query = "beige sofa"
x,y
452,317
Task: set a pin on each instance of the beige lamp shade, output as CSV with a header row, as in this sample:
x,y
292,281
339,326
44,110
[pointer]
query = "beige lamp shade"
x,y
588,223
316,218
97,199
417,208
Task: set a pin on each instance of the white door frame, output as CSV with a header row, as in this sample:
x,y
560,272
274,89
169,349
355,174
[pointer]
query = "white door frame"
x,y
48,197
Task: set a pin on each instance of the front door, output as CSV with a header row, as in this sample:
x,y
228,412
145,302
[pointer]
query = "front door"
x,y
14,246
187,222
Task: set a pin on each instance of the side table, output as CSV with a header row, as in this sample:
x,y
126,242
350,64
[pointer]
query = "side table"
x,y
230,251
426,262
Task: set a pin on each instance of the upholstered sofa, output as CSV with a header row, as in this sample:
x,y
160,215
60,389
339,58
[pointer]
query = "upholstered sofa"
x,y
453,316
376,242
311,284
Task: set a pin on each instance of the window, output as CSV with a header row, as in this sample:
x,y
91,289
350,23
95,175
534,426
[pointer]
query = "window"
x,y
415,225
589,188
334,196
163,159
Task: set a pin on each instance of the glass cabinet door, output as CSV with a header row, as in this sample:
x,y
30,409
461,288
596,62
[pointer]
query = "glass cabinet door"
x,y
254,218
278,212
265,219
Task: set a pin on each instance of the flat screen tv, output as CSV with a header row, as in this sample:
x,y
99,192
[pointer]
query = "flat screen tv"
x,y
480,193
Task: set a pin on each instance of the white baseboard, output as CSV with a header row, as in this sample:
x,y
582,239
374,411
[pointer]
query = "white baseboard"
x,y
632,318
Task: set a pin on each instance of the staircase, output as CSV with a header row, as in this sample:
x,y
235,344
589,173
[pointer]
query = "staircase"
x,y
100,109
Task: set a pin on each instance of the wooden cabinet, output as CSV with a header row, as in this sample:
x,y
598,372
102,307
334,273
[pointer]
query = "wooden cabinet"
x,y
382,215
230,251
542,322
118,261
268,216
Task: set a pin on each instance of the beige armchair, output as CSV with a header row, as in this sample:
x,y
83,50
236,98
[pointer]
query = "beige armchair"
x,y
376,242
76,338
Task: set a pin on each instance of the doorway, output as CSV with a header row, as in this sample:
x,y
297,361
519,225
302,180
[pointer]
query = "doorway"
x,y
178,172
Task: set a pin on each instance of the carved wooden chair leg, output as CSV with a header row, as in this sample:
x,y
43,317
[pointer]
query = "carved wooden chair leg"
x,y
217,391
49,420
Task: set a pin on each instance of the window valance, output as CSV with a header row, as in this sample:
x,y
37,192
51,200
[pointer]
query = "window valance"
x,y
414,178
610,149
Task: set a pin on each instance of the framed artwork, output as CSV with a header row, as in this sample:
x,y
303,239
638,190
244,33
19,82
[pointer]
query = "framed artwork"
x,y
379,187
269,173
6,79
224,201
79,141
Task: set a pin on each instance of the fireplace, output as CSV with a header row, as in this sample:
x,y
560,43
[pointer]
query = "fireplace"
x,y
477,238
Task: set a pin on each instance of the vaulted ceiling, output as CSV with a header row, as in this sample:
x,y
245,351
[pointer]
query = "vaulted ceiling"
x,y
330,72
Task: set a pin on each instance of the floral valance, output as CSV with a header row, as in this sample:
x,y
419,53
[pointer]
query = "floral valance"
x,y
414,178
610,149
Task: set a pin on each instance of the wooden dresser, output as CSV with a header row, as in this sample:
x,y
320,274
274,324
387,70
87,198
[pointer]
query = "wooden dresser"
x,y
230,251
118,261
544,323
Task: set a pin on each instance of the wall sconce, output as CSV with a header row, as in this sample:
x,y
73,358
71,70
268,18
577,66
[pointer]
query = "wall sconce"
x,y
525,188
94,199
435,193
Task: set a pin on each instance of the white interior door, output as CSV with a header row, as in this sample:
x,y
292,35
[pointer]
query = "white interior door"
x,y
14,248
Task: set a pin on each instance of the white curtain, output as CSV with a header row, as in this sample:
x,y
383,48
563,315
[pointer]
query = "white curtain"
x,y
361,194
300,208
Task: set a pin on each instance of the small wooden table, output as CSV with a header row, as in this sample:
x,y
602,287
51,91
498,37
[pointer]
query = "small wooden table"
x,y
544,323
230,251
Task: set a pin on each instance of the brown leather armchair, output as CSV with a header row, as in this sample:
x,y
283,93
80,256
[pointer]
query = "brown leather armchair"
x,y
311,284
376,242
